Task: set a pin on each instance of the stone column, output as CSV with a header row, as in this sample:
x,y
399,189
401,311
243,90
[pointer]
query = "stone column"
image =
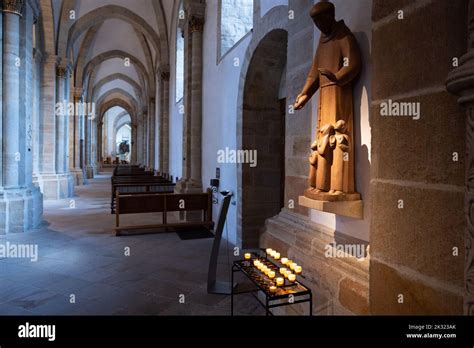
x,y
75,129
88,147
196,27
192,178
12,152
95,143
134,153
20,201
54,178
151,133
36,112
164,121
61,120
66,180
461,82
139,140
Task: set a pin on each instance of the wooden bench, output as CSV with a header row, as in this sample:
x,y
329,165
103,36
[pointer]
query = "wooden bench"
x,y
138,185
162,203
131,171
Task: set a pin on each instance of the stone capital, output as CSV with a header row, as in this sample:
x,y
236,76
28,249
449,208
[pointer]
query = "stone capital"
x,y
77,92
13,6
195,24
165,75
62,71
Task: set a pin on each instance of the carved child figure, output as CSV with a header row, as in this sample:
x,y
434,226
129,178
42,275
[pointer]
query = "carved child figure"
x,y
321,160
340,143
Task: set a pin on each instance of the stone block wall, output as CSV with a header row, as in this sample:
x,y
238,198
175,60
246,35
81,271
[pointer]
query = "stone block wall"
x,y
417,178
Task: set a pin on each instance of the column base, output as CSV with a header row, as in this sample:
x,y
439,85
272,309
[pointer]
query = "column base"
x,y
78,176
20,209
56,186
189,186
90,172
97,168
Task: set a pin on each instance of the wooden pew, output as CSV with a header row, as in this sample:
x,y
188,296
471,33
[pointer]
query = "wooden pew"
x,y
162,203
131,171
138,185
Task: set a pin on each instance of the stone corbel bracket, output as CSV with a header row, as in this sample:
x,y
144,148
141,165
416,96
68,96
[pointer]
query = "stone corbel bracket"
x,y
353,209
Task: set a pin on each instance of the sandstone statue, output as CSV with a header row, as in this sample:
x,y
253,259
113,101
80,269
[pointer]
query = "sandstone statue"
x,y
335,66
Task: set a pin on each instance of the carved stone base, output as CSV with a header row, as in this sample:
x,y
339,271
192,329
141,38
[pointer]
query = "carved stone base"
x,y
331,197
354,209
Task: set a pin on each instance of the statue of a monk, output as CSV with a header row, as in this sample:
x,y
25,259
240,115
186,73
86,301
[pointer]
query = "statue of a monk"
x,y
336,64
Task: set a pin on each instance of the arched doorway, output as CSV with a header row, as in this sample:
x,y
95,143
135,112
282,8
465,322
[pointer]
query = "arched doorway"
x,y
263,130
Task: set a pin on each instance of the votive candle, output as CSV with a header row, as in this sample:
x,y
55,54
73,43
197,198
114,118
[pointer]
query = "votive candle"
x,y
282,270
280,281
284,260
292,277
273,288
247,256
298,269
271,274
276,255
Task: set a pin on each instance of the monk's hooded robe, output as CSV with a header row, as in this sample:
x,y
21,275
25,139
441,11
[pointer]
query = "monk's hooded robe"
x,y
339,53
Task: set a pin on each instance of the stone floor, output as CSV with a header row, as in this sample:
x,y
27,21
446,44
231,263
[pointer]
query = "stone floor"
x,y
81,261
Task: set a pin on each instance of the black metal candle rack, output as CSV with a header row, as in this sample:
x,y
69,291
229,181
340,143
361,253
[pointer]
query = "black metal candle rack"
x,y
289,293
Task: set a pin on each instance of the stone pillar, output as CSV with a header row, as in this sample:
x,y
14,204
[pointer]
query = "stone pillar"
x,y
192,137
75,129
134,154
461,82
144,149
36,112
54,178
95,146
12,152
196,27
20,202
62,123
164,121
151,133
88,147
139,140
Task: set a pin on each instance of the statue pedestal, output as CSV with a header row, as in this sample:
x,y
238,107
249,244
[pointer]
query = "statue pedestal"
x,y
354,208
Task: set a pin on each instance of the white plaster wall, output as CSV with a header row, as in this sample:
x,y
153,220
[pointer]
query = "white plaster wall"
x,y
220,91
357,16
221,87
267,5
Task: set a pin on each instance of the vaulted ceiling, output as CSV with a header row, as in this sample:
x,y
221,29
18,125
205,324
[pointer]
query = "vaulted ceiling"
x,y
115,47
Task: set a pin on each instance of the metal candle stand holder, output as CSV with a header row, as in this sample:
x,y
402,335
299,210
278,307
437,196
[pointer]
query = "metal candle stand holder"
x,y
261,284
